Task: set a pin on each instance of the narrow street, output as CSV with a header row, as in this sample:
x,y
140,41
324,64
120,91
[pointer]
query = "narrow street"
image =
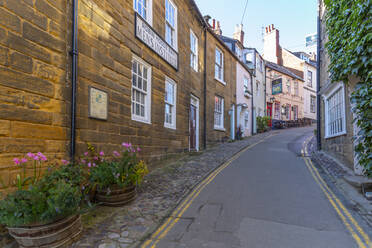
x,y
267,197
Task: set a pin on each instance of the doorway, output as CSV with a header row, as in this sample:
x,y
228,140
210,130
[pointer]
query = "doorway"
x,y
194,124
270,112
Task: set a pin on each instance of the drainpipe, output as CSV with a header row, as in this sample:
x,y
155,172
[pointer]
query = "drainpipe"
x,y
318,134
205,91
74,54
252,102
265,110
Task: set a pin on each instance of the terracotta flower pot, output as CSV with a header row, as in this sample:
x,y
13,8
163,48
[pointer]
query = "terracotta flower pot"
x,y
116,196
52,235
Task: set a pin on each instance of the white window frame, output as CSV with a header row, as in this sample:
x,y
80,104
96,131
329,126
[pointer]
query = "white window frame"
x,y
246,86
296,88
194,55
147,118
172,125
327,97
312,106
309,78
246,119
174,28
221,66
148,13
289,87
221,112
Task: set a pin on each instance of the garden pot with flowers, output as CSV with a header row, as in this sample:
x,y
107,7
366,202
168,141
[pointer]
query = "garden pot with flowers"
x,y
115,180
44,210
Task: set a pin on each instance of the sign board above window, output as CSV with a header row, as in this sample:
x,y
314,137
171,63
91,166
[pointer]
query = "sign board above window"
x,y
155,42
277,86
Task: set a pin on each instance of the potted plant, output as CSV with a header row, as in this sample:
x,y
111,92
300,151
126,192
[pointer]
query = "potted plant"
x,y
115,180
43,211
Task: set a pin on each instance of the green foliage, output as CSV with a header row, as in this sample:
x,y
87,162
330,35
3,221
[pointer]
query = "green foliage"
x,y
40,204
262,123
349,27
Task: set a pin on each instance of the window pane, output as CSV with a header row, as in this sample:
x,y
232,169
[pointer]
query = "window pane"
x,y
139,82
134,80
144,85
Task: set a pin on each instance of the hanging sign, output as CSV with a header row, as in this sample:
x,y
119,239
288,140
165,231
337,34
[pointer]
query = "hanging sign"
x,y
277,86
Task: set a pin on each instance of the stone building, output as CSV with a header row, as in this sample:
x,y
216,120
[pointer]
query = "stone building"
x,y
141,79
256,63
244,98
336,118
284,93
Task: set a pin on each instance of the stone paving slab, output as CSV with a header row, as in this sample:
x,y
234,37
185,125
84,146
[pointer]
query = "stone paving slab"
x,y
159,194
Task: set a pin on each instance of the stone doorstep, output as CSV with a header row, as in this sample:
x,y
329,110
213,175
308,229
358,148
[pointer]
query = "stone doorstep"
x,y
350,187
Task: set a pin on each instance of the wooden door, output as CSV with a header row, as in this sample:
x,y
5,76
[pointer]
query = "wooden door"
x,y
192,127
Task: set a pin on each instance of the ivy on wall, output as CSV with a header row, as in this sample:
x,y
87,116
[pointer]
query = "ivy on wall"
x,y
349,28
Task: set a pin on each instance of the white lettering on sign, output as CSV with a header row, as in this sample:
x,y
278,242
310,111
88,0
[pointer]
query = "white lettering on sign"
x,y
148,36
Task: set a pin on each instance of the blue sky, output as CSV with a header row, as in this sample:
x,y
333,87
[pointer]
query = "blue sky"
x,y
294,18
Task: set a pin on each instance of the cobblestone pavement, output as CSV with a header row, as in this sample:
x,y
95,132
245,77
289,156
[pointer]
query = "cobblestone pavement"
x,y
160,193
335,174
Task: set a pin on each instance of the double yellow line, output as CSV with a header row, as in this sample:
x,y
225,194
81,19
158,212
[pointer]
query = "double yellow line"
x,y
162,231
360,237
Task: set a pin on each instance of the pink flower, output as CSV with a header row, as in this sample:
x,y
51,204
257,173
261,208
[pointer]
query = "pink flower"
x,y
83,161
138,149
95,158
94,165
36,158
42,156
24,160
30,155
16,161
64,162
116,153
132,149
101,153
126,145
89,164
86,153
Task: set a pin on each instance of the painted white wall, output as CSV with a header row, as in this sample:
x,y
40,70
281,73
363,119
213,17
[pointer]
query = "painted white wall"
x,y
309,91
243,100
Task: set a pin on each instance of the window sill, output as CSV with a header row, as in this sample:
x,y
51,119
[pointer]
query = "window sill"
x,y
335,135
220,129
195,70
134,118
219,80
173,127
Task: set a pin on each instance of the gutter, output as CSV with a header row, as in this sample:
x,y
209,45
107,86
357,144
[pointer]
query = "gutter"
x,y
205,91
74,55
318,118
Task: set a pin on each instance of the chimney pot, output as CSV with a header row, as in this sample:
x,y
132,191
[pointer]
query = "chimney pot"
x,y
272,27
214,24
266,30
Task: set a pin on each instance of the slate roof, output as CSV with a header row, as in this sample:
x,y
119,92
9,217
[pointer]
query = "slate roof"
x,y
282,69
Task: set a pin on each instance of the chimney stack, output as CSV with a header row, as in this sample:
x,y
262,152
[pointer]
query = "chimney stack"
x,y
218,29
272,49
239,33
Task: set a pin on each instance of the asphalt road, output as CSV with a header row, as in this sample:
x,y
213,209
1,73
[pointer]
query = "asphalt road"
x,y
265,198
